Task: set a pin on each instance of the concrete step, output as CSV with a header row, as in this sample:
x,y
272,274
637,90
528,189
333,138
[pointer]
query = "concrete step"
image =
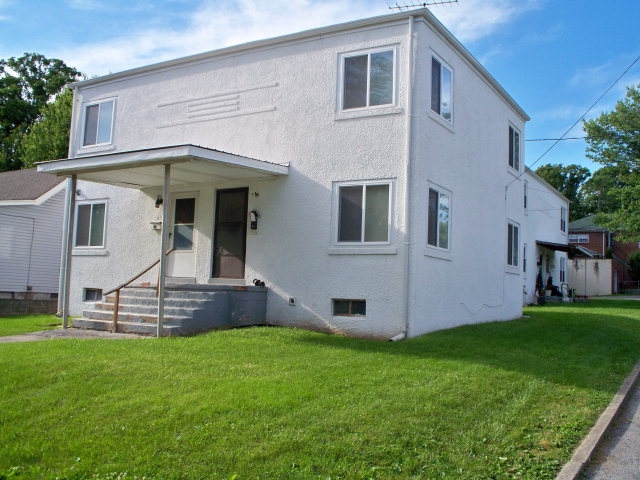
x,y
127,327
134,317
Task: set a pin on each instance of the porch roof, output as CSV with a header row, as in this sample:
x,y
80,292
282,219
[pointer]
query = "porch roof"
x,y
560,247
190,164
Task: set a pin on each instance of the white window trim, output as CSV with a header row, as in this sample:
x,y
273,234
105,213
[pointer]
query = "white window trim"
x,y
431,250
389,108
96,249
509,267
520,140
563,219
350,248
438,116
85,106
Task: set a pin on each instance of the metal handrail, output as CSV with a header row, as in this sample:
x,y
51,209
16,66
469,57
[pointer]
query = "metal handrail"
x,y
116,306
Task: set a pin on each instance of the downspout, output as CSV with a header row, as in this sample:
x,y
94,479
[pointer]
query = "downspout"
x,y
406,204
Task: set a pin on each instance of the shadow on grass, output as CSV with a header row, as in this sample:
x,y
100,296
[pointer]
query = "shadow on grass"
x,y
583,349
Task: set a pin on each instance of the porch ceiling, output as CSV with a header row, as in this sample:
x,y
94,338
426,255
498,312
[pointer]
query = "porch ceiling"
x,y
141,169
560,247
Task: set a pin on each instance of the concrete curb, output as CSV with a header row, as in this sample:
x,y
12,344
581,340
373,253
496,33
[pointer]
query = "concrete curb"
x,y
583,453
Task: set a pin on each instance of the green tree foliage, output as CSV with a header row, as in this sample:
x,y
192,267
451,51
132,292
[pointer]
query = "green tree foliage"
x,y
27,84
48,138
568,180
613,139
634,265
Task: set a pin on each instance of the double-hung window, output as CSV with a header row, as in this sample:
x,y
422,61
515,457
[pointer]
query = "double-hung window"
x,y
363,213
90,224
98,123
514,148
513,244
439,218
368,79
563,219
441,89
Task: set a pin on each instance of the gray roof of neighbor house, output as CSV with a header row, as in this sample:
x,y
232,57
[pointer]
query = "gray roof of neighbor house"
x,y
26,184
585,225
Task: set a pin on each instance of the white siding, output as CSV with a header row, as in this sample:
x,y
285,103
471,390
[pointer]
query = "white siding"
x,y
30,245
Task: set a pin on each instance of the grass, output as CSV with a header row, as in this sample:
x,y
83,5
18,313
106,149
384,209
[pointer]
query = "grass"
x,y
15,325
494,401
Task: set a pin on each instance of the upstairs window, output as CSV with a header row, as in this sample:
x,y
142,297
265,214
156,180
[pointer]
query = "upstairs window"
x,y
563,219
439,219
514,148
513,244
441,89
363,213
368,79
90,222
98,122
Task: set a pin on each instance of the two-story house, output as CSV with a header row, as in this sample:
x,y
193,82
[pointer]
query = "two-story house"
x,y
369,173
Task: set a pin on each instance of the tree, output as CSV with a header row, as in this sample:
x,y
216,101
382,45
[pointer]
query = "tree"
x,y
27,84
596,191
568,180
48,138
613,139
634,265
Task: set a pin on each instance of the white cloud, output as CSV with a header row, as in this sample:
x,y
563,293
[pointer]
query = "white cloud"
x,y
85,4
216,24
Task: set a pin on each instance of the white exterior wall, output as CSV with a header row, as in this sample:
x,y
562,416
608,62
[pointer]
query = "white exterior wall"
x,y
30,246
469,158
544,204
288,114
291,249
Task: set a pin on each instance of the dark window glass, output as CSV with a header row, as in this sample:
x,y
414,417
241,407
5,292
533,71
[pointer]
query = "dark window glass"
x,y
355,82
350,214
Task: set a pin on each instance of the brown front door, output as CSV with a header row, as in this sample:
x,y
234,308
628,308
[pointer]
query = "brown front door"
x,y
230,236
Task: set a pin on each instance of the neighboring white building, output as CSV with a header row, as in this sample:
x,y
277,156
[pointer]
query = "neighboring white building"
x,y
384,163
31,218
545,237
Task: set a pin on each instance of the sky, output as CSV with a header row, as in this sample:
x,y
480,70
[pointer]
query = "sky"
x,y
554,57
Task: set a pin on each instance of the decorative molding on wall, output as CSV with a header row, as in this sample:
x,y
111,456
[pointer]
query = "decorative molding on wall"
x,y
225,104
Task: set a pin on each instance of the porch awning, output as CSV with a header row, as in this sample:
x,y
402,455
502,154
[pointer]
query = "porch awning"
x,y
560,247
140,169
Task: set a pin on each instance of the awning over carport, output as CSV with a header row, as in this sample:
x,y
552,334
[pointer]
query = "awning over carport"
x,y
145,168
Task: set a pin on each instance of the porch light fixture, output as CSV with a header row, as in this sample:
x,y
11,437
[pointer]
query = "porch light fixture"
x,y
159,201
254,215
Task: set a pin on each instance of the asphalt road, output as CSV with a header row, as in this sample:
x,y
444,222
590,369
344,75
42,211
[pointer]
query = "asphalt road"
x,y
618,456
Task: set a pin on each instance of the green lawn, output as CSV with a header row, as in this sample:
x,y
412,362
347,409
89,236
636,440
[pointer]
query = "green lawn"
x,y
494,401
15,325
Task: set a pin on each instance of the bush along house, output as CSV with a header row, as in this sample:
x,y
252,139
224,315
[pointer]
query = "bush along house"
x,y
363,179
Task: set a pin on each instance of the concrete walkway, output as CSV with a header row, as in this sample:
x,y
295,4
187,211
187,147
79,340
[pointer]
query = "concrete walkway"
x,y
66,333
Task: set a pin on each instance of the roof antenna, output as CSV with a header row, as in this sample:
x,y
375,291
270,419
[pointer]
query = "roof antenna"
x,y
430,3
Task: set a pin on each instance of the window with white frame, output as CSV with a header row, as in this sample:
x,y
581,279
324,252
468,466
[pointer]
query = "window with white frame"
x,y
363,213
90,224
563,219
368,79
513,244
441,89
526,195
580,238
438,218
514,148
524,258
563,269
98,123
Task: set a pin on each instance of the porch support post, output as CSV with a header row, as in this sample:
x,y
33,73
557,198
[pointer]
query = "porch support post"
x,y
166,203
65,273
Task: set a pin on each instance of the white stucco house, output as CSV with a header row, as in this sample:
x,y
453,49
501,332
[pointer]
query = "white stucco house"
x,y
371,174
545,238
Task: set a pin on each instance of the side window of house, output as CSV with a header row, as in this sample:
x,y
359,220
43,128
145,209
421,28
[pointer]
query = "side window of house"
x,y
563,219
514,148
363,213
513,244
441,89
439,218
90,224
368,79
98,123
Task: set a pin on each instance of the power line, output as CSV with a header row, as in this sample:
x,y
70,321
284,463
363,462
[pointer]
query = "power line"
x,y
553,139
579,119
